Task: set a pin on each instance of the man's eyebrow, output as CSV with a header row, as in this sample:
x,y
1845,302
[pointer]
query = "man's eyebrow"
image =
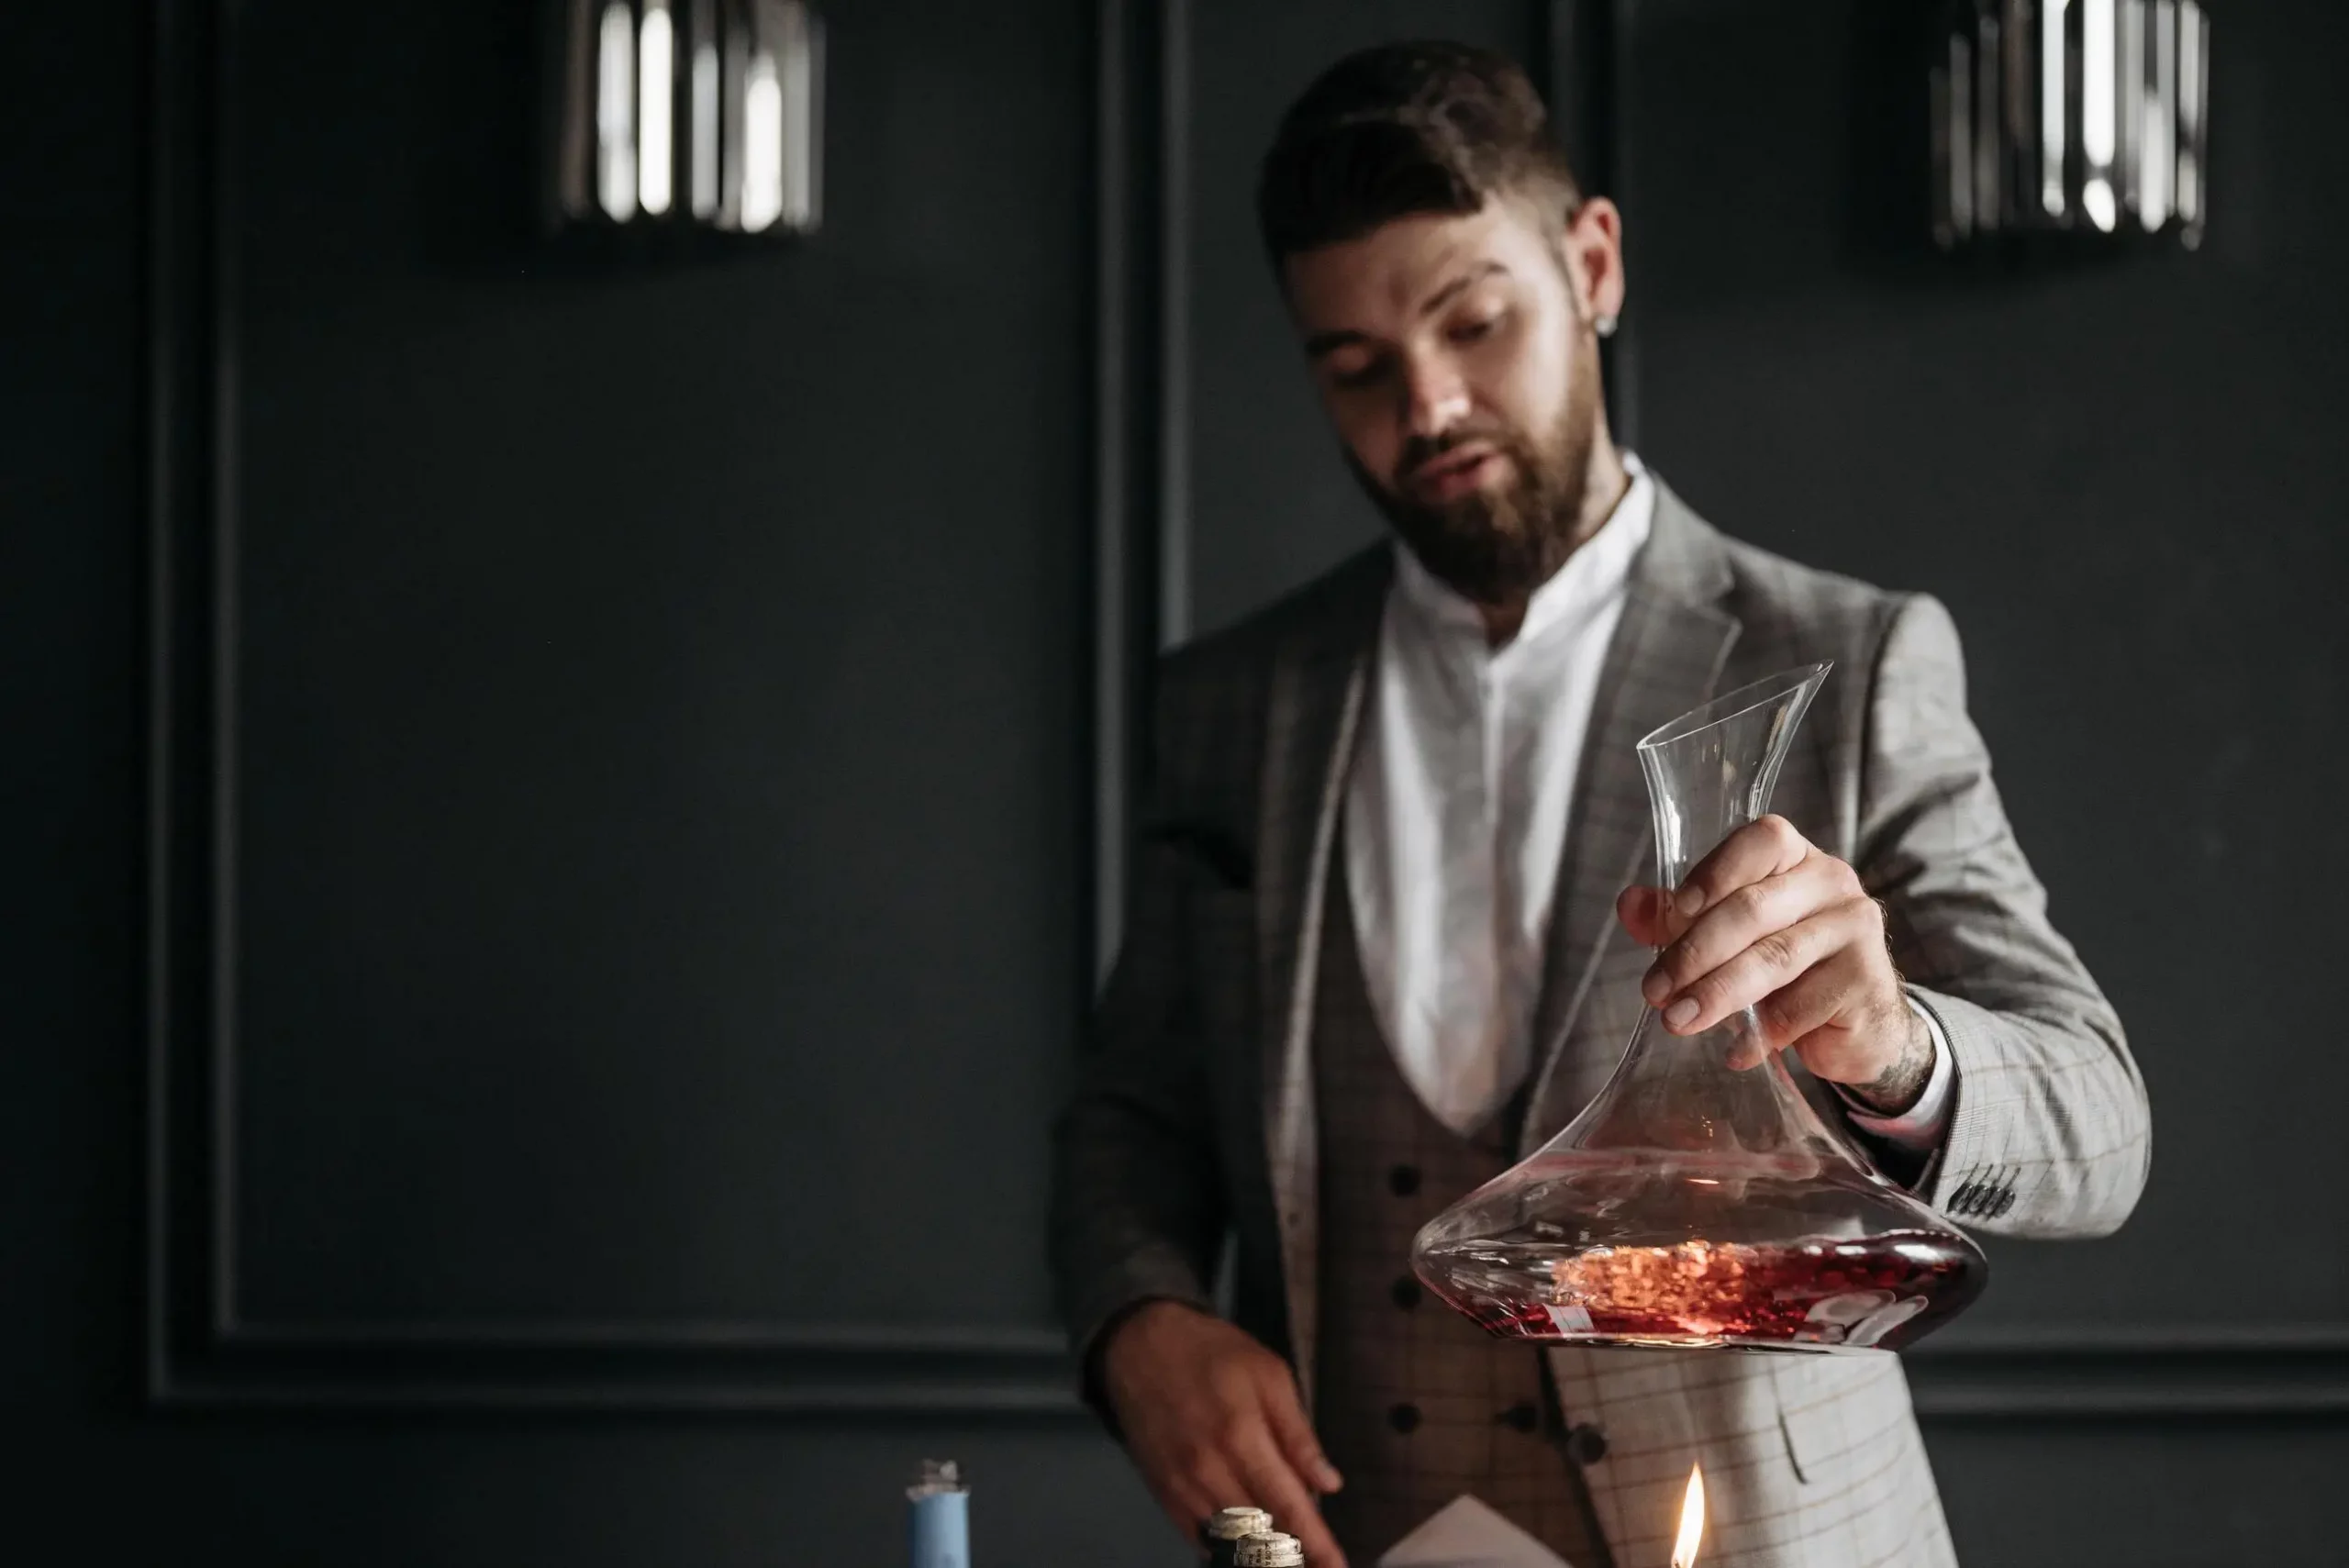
x,y
1321,343
1453,289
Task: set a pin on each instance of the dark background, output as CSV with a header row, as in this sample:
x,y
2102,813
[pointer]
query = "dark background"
x,y
628,890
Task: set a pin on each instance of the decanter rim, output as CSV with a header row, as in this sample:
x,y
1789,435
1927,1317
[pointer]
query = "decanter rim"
x,y
1730,705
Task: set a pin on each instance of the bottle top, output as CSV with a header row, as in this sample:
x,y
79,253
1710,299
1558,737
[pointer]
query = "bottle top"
x,y
1233,1524
937,1476
1270,1550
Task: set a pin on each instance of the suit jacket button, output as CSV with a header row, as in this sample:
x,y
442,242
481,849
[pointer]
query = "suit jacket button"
x,y
1403,1180
1525,1418
1403,1419
1585,1444
1407,1293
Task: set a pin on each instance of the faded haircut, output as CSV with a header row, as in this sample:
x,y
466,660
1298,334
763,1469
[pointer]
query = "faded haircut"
x,y
1403,129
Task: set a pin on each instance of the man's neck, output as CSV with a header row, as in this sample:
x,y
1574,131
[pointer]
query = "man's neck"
x,y
1604,487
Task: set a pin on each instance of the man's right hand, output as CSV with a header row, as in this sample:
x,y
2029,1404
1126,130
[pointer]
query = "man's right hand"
x,y
1213,1420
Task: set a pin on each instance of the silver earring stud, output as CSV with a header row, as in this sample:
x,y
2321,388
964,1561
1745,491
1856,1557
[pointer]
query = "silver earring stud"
x,y
1605,326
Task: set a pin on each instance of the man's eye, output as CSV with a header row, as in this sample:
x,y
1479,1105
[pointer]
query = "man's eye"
x,y
1480,327
1367,373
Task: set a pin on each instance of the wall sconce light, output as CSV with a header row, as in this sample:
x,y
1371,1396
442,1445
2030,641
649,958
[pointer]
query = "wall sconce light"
x,y
697,114
2083,117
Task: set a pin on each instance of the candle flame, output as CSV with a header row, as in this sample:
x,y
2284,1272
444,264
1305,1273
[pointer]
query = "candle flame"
x,y
1692,1520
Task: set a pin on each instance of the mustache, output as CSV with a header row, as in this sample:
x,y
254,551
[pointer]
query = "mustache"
x,y
1420,451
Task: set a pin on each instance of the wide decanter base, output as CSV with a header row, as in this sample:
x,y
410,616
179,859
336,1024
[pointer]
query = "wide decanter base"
x,y
1816,1294
1798,1251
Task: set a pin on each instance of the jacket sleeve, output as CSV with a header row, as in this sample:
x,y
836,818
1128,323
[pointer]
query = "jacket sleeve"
x,y
1138,1207
2050,1135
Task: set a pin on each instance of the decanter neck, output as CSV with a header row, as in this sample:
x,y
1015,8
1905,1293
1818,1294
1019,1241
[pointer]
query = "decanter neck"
x,y
1712,771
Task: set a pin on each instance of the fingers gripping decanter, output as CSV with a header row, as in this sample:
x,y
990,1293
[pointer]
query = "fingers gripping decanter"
x,y
1694,1202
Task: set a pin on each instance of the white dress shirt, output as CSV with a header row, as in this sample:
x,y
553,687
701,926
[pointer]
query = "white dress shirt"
x,y
1456,814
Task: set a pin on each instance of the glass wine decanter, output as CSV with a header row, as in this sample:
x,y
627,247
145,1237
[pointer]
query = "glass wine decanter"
x,y
1694,1202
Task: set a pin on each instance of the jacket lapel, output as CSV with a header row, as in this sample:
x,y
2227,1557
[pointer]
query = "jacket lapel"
x,y
1319,673
1666,658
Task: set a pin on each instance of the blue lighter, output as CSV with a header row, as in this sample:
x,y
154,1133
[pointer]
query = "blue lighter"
x,y
941,1517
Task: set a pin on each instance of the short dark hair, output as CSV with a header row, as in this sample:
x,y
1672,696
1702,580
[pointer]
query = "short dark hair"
x,y
1405,128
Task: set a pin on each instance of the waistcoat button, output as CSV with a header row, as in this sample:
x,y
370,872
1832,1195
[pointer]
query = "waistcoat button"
x,y
1404,1179
1585,1444
1404,1417
1407,1293
1525,1418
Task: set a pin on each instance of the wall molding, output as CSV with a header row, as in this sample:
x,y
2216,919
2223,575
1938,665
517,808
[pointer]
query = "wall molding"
x,y
200,1349
2262,1372
2282,1374
1142,380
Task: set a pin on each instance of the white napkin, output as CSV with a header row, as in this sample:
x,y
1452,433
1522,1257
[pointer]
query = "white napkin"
x,y
1464,1533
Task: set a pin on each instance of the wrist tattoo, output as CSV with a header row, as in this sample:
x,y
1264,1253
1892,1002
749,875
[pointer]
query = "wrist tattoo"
x,y
1899,1086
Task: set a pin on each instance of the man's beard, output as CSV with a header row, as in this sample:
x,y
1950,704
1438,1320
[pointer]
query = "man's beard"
x,y
1495,546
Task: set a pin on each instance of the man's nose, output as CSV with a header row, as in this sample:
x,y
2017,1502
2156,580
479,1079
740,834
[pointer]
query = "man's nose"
x,y
1434,399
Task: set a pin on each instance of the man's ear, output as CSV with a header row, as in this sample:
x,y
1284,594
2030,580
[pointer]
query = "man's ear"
x,y
1593,249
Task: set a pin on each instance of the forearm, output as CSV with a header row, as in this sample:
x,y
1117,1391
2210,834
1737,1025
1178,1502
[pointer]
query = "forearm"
x,y
1902,1117
1137,1216
1140,1205
2049,1132
1893,1093
2050,1136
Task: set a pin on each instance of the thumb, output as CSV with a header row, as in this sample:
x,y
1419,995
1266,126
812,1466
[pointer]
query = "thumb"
x,y
1285,1413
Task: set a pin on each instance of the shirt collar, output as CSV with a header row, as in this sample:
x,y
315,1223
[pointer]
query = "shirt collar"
x,y
1591,576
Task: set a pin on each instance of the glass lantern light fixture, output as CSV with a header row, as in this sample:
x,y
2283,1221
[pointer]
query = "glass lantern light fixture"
x,y
689,114
2080,117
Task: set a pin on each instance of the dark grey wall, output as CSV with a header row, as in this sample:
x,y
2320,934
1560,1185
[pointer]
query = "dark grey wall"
x,y
633,662
662,738
630,767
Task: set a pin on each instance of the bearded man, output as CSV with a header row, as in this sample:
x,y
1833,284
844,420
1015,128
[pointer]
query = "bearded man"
x,y
1380,942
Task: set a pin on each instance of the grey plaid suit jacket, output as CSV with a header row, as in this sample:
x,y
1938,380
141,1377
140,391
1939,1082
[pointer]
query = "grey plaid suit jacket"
x,y
1194,1114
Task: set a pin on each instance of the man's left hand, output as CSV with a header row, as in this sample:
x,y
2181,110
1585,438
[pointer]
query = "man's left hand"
x,y
1770,921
